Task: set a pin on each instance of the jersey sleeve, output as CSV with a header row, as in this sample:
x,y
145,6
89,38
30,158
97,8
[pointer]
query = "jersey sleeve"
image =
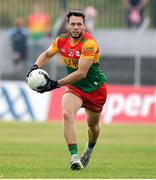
x,y
89,50
54,46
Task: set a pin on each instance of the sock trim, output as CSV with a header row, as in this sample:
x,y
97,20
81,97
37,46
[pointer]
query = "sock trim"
x,y
73,148
91,145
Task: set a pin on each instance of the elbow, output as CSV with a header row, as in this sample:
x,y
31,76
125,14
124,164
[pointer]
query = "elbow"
x,y
82,75
47,55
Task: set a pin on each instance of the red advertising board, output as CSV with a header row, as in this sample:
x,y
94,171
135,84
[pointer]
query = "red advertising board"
x,y
125,104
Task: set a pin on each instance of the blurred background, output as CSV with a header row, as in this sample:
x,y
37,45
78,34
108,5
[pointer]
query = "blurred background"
x,y
124,29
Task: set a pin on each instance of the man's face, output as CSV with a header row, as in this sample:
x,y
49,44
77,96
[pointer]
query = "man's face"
x,y
75,26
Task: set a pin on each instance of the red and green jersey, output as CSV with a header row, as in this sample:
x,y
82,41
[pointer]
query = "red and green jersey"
x,y
85,49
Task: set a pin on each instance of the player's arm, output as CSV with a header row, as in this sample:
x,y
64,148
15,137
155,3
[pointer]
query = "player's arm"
x,y
80,73
47,54
85,61
44,57
75,76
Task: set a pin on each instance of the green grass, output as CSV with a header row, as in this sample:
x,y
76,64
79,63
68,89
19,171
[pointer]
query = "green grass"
x,y
38,150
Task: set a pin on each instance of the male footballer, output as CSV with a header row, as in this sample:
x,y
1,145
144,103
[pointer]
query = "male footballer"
x,y
84,85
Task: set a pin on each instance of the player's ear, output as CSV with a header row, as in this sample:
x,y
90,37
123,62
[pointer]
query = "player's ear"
x,y
84,27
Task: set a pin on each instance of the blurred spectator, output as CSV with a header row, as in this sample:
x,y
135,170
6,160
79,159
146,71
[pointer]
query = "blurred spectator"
x,y
59,26
91,14
135,12
153,13
39,22
39,27
19,36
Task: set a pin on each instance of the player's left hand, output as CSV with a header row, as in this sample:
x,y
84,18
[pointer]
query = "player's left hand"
x,y
50,85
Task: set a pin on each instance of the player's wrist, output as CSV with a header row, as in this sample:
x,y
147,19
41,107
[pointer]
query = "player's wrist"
x,y
54,84
57,84
36,66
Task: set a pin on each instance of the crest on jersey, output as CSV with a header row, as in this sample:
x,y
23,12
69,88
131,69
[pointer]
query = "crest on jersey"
x,y
77,53
62,49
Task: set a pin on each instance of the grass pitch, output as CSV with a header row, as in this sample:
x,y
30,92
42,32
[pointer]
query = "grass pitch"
x,y
38,150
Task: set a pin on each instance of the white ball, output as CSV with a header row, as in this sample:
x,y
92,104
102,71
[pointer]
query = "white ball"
x,y
36,79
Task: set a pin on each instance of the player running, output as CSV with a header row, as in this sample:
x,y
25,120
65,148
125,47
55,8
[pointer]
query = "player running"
x,y
84,85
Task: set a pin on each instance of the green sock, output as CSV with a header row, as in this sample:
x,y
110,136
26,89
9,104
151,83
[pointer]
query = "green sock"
x,y
73,148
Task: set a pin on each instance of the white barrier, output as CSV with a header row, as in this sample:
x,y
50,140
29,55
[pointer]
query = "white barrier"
x,y
125,104
19,102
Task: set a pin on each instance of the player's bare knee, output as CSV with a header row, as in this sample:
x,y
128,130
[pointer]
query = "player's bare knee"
x,y
94,128
67,115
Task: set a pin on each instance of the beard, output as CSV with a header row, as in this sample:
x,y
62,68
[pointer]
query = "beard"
x,y
76,37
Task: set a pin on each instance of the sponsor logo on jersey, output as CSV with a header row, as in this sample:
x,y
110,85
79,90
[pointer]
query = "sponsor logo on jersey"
x,y
88,51
95,83
62,50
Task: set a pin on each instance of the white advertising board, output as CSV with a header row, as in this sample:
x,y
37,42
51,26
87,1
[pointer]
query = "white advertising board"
x,y
19,102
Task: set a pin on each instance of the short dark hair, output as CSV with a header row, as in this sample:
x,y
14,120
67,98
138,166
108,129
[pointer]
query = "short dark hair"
x,y
75,13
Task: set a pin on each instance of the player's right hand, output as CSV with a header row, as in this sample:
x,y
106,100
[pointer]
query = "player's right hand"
x,y
50,85
35,66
